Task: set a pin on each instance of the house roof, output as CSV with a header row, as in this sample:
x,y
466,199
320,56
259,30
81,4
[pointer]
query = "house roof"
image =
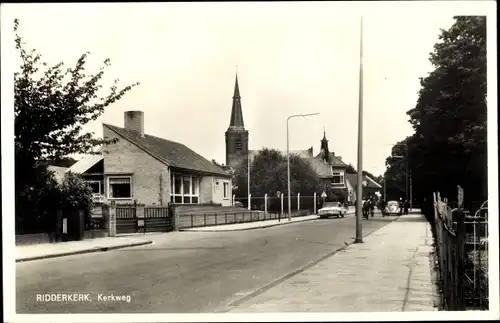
x,y
370,183
322,169
334,160
171,153
87,162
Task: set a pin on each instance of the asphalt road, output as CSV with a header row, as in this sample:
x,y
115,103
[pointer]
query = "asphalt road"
x,y
183,272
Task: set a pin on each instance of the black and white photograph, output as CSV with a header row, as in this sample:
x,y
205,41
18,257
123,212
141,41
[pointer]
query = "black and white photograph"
x,y
249,161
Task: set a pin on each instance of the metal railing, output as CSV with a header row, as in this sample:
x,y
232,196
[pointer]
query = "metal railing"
x,y
462,246
224,218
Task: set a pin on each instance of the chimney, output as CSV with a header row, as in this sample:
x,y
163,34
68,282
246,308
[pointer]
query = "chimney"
x,y
310,150
134,120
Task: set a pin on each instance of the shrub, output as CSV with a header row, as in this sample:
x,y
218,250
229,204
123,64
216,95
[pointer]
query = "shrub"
x,y
36,207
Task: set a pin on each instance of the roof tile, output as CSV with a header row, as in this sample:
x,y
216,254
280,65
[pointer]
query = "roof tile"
x,y
172,153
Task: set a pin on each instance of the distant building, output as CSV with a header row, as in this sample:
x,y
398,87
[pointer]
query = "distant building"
x,y
370,186
330,168
236,135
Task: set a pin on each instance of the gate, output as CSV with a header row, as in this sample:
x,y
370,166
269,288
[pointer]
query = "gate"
x,y
126,221
158,219
141,219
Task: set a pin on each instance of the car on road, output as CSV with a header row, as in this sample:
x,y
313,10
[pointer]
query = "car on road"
x,y
393,207
332,209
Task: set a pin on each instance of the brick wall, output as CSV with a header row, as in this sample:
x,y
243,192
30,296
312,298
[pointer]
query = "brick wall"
x,y
206,192
125,158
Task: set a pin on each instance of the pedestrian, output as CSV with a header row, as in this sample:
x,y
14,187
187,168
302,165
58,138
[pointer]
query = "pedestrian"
x,y
406,205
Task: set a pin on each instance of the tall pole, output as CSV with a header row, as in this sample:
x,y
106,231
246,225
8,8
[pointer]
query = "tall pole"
x,y
288,160
359,194
248,177
288,171
406,184
411,195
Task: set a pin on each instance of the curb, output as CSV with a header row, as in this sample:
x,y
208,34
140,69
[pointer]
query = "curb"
x,y
79,252
246,229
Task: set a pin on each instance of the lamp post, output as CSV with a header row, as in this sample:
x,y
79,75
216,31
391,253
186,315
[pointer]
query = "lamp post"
x,y
288,158
359,190
248,175
406,172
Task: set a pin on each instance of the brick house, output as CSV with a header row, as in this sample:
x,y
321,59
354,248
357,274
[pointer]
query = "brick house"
x,y
330,168
151,170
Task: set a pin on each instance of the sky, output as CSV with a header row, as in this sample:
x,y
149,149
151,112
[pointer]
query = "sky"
x,y
291,58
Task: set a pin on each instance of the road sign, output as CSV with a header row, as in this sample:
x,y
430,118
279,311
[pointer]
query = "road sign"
x,y
323,195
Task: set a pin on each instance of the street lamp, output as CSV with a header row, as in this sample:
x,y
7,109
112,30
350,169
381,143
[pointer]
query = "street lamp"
x,y
359,190
288,158
406,173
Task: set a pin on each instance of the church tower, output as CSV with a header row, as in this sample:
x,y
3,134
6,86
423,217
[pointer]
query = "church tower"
x,y
236,135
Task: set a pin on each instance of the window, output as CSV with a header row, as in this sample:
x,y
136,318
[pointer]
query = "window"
x,y
238,144
337,178
120,187
226,190
185,189
95,186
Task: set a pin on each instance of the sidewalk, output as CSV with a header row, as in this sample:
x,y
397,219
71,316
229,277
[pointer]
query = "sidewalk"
x,y
258,224
53,250
390,271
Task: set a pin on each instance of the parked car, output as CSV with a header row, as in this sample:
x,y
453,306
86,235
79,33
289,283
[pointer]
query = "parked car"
x,y
393,207
238,204
332,209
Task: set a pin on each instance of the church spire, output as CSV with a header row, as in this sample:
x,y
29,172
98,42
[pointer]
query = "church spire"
x,y
236,113
324,147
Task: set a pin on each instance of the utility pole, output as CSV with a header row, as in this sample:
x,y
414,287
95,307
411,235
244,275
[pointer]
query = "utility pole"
x,y
411,194
288,159
359,191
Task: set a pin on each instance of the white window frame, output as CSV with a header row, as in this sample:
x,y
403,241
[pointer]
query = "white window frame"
x,y
119,198
191,194
339,175
95,181
225,190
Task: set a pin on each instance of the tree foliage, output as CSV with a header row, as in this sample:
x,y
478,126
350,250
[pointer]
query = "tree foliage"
x,y
350,169
268,175
51,105
448,147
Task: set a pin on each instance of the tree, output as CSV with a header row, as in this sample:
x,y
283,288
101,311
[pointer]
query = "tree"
x,y
350,169
216,163
268,175
448,147
51,104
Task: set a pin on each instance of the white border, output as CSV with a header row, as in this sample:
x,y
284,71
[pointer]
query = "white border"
x,y
487,8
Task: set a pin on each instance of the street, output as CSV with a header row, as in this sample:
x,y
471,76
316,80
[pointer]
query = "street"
x,y
183,272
